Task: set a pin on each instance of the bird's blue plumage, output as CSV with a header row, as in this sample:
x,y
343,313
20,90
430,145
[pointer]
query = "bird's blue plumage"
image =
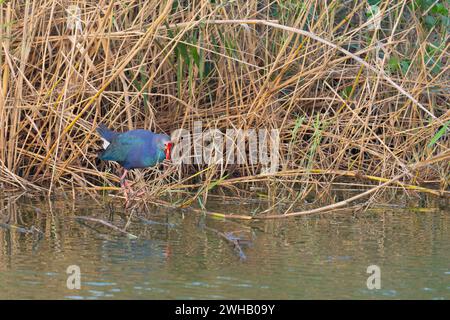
x,y
133,149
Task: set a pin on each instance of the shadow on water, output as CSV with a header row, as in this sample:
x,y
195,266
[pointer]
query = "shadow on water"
x,y
184,255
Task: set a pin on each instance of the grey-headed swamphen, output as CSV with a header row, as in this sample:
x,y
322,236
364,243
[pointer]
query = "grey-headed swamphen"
x,y
134,149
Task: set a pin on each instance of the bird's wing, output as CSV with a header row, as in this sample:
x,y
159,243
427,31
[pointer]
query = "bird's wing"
x,y
120,147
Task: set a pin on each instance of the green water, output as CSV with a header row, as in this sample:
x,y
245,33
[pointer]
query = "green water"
x,y
185,256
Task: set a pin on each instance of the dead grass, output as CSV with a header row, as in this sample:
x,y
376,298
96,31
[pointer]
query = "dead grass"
x,y
350,97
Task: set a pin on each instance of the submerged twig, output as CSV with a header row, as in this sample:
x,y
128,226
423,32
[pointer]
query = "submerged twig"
x,y
32,230
152,222
110,225
16,228
231,239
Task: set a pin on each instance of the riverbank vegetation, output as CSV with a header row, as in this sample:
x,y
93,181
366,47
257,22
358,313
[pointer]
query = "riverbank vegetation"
x,y
359,91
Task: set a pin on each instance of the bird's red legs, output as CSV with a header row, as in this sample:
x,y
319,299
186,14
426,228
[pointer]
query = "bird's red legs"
x,y
127,188
124,185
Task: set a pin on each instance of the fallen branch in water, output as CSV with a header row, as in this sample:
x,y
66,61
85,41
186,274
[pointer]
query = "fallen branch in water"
x,y
110,225
152,222
32,230
234,241
345,202
333,206
221,215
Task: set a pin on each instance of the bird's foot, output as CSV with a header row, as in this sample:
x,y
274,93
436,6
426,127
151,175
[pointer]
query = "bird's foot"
x,y
127,198
130,194
126,191
125,187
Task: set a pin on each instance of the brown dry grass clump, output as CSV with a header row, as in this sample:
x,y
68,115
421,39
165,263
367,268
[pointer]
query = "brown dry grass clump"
x,y
355,90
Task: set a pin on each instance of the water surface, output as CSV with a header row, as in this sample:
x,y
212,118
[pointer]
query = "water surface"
x,y
183,255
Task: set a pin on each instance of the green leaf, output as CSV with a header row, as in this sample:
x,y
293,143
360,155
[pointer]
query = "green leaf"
x,y
436,67
372,11
430,21
394,63
208,68
404,66
184,53
439,134
298,124
439,8
345,93
191,76
430,60
195,56
179,76
174,7
445,21
217,182
424,4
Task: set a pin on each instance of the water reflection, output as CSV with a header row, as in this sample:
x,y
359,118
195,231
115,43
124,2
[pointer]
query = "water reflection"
x,y
183,255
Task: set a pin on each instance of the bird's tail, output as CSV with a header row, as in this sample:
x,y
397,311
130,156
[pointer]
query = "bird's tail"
x,y
105,133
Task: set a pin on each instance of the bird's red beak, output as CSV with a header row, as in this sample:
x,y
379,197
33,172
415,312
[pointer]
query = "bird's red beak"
x,y
168,150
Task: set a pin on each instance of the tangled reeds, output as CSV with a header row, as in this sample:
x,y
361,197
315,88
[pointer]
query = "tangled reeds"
x,y
356,89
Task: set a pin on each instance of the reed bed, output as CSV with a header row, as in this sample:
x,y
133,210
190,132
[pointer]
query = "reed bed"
x,y
357,89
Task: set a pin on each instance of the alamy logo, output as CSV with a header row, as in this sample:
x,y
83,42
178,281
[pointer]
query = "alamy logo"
x,y
234,146
74,278
374,280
